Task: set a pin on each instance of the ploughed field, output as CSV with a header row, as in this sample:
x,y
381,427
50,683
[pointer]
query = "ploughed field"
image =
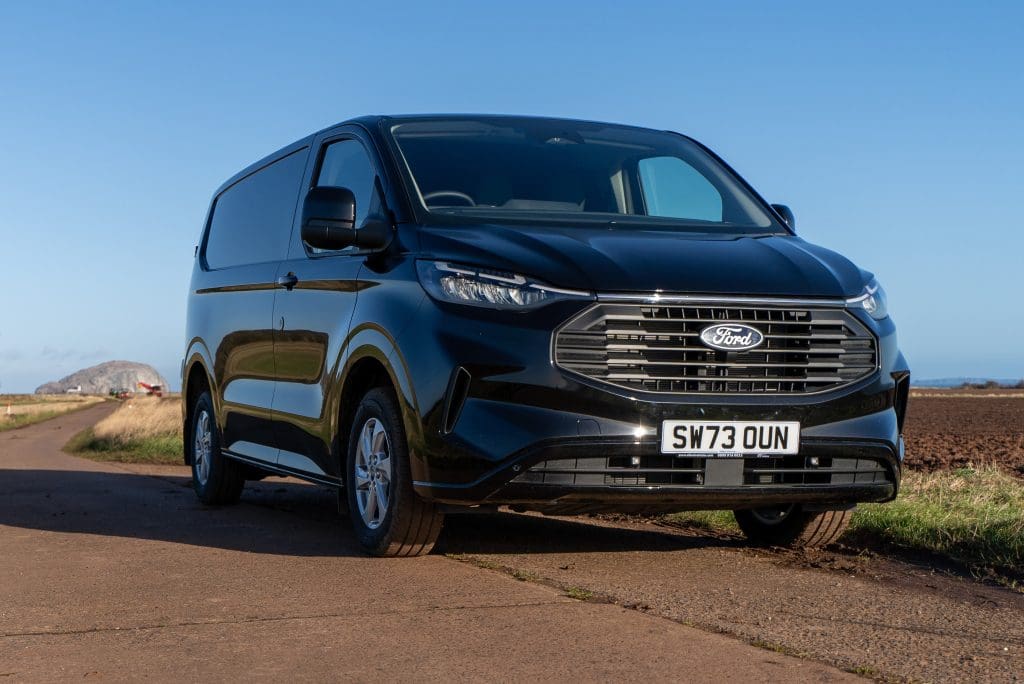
x,y
950,429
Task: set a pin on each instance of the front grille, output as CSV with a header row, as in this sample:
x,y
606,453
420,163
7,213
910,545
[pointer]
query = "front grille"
x,y
657,348
666,471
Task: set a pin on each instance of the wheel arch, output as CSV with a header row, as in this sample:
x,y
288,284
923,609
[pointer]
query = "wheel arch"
x,y
375,361
195,378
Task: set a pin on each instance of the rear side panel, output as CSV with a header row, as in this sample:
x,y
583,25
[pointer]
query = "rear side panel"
x,y
231,302
232,308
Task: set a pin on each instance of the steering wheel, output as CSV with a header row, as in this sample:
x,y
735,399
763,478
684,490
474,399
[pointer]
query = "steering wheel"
x,y
449,193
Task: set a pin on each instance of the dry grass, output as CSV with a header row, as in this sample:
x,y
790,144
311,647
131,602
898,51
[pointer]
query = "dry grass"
x,y
19,410
141,418
26,399
142,430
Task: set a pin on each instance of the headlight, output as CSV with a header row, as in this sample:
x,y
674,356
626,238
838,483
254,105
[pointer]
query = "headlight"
x,y
482,287
872,300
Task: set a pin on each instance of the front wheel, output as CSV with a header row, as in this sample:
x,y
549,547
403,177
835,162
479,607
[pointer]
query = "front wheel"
x,y
388,517
792,526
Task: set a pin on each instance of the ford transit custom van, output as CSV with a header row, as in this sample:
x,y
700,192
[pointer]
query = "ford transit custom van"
x,y
434,314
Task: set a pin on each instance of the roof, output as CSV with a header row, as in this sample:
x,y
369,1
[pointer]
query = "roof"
x,y
372,121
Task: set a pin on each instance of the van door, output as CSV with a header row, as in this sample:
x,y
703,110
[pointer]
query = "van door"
x,y
313,316
245,242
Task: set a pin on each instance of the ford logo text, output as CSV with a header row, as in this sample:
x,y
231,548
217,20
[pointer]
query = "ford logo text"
x,y
732,337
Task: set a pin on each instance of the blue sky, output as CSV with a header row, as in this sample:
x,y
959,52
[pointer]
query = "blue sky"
x,y
894,130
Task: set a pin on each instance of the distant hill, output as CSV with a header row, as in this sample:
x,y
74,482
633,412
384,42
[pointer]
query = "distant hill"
x,y
957,382
101,379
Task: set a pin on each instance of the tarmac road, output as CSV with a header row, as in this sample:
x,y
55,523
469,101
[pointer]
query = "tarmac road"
x,y
115,572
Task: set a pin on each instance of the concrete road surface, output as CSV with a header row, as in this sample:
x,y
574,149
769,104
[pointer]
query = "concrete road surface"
x,y
110,574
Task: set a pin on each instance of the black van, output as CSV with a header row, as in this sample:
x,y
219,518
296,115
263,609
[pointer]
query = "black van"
x,y
432,313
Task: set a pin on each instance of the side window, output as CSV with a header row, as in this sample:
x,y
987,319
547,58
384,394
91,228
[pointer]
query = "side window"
x,y
347,165
252,220
674,189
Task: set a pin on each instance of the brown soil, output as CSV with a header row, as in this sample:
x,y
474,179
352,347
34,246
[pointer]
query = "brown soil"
x,y
948,430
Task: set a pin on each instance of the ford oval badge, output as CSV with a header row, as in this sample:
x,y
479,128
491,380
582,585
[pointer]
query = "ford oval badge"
x,y
733,337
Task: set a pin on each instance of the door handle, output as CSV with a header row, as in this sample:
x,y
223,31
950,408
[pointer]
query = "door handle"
x,y
287,281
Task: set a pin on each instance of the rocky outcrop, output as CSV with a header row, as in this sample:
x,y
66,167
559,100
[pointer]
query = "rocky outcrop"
x,y
102,379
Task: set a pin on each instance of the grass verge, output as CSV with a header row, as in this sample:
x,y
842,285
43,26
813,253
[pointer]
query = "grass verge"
x,y
22,419
32,409
165,450
143,430
972,516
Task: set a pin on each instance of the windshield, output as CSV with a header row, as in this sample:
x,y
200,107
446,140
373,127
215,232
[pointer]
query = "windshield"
x,y
515,168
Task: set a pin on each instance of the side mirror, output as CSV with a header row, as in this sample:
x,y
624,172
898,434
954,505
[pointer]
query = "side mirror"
x,y
329,217
787,215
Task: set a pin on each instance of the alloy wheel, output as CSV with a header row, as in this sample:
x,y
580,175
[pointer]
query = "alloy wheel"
x,y
372,465
202,447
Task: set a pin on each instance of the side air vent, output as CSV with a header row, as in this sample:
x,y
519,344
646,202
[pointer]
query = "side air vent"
x,y
902,396
458,390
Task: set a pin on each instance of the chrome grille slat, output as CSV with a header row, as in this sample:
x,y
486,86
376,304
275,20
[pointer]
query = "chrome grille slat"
x,y
824,336
709,321
721,364
640,347
657,348
637,376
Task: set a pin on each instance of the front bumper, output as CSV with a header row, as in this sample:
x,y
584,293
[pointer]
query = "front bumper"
x,y
494,413
600,474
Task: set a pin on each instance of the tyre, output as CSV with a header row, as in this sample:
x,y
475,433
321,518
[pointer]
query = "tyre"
x,y
216,479
790,525
388,517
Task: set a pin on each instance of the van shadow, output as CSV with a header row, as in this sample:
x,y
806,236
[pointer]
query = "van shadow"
x,y
517,533
274,517
281,518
